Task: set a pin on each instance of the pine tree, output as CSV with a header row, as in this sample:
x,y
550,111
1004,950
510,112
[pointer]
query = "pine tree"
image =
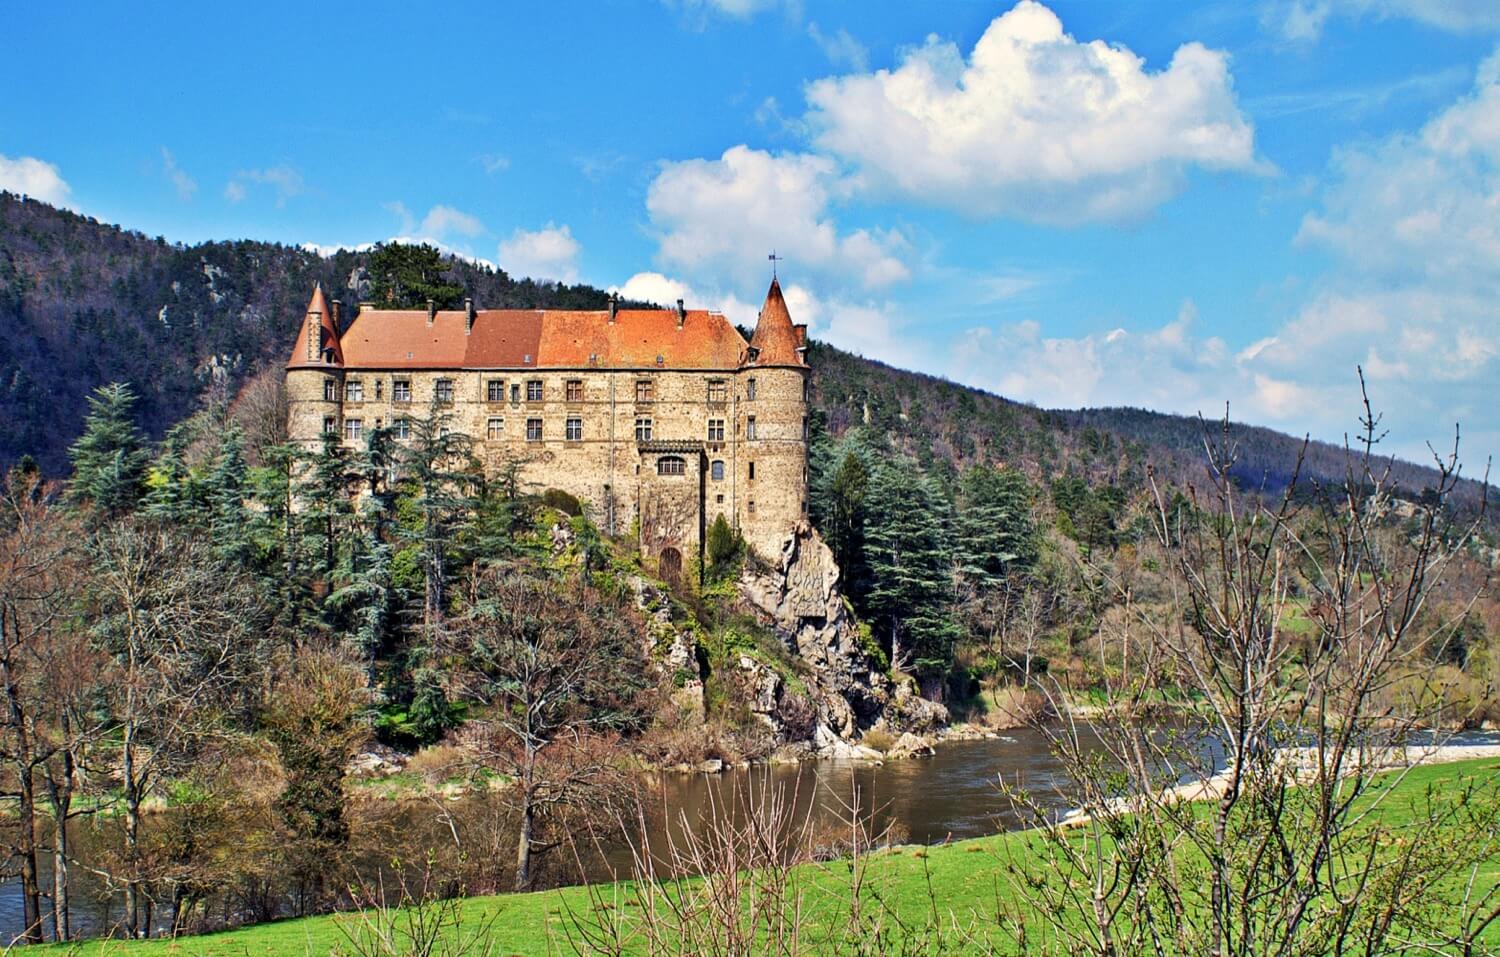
x,y
438,468
995,534
407,276
366,593
110,459
173,494
327,508
229,520
911,594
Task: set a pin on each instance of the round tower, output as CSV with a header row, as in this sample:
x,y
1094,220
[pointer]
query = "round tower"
x,y
315,376
772,428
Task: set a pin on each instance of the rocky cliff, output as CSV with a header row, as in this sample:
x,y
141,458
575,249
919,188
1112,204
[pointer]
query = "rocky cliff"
x,y
799,598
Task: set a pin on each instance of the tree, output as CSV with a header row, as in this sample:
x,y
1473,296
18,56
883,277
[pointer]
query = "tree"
x,y
1284,840
910,565
995,532
438,472
314,713
110,458
405,276
724,546
36,591
843,523
183,631
559,670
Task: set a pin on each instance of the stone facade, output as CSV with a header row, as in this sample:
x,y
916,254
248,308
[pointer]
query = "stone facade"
x,y
658,421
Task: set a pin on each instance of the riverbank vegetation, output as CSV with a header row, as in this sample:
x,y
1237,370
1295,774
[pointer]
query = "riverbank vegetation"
x,y
967,897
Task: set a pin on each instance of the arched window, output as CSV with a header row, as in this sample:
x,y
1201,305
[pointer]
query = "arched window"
x,y
671,465
716,470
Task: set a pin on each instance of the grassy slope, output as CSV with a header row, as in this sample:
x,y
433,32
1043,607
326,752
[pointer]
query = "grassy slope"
x,y
965,877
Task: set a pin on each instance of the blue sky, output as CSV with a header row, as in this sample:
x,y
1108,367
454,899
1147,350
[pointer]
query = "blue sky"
x,y
1167,205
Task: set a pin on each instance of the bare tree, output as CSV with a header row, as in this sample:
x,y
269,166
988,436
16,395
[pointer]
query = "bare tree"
x,y
36,590
1301,849
182,630
558,670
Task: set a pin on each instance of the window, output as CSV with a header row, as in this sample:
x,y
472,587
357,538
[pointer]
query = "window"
x,y
494,390
719,499
402,428
354,429
330,390
645,390
379,389
750,507
329,425
575,430
401,390
750,427
716,430
643,430
752,471
533,430
515,392
354,391
716,470
533,390
718,390
750,389
671,465
806,389
495,429
443,390
804,428
575,390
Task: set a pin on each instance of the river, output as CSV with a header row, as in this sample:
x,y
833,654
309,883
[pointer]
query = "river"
x,y
952,795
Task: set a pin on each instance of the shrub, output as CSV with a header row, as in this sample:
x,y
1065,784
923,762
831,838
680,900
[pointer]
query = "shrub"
x,y
562,501
724,548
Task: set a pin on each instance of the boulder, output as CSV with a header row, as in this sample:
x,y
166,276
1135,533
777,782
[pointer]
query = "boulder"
x,y
910,746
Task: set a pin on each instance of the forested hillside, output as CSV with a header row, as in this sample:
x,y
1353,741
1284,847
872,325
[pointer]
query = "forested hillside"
x,y
86,303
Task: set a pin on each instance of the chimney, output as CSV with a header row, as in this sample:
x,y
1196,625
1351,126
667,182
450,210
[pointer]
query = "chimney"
x,y
681,314
614,306
431,311
338,316
469,313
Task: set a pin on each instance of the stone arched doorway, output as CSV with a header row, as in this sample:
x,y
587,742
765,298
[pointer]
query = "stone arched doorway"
x,y
669,564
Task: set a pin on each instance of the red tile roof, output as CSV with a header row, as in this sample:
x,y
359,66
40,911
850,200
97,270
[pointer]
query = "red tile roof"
x,y
515,338
317,311
775,336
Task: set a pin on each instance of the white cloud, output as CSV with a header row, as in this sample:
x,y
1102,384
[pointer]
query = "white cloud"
x,y
185,185
720,219
547,253
494,163
283,180
1035,124
839,47
1302,21
736,9
445,220
29,176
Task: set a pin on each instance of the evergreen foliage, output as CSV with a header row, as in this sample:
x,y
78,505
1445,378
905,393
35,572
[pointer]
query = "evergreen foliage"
x,y
995,533
911,569
406,276
110,459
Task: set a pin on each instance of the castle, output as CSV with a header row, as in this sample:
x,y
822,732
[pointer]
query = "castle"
x,y
658,420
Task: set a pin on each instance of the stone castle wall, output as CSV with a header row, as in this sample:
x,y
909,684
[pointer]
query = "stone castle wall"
x,y
760,487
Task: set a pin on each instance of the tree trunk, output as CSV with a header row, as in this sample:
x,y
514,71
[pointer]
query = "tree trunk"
x,y
31,892
132,837
523,844
60,796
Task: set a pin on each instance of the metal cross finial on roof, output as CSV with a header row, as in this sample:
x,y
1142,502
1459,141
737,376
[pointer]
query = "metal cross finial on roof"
x,y
774,260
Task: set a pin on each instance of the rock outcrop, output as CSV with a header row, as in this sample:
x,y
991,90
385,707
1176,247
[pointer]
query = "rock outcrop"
x,y
800,599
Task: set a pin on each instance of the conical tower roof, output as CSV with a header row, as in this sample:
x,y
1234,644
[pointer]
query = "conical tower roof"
x,y
327,335
775,338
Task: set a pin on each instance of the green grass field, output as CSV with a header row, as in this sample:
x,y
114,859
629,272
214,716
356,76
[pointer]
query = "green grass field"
x,y
964,877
